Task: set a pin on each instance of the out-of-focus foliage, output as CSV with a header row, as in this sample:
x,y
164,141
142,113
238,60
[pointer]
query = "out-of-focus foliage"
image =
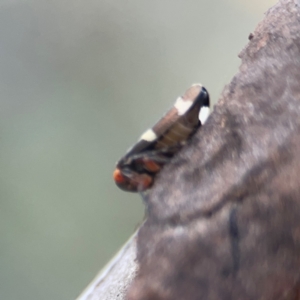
x,y
79,82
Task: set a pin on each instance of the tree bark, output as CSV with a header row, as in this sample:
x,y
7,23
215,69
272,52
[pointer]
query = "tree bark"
x,y
224,216
113,281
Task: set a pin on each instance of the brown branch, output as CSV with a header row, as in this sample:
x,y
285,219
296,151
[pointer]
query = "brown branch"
x,y
224,216
113,281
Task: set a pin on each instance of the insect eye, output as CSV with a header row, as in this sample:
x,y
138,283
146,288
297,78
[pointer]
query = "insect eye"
x,y
118,176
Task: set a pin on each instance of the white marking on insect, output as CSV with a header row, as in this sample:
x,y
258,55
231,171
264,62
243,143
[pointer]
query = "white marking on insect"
x,y
149,136
182,106
197,84
203,114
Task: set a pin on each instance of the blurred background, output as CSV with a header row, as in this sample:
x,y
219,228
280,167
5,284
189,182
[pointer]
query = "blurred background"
x,y
79,82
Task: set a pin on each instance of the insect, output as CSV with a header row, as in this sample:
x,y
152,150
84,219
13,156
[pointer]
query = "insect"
x,y
136,171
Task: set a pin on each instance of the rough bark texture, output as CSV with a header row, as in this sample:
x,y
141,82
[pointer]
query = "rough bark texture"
x,y
224,216
112,283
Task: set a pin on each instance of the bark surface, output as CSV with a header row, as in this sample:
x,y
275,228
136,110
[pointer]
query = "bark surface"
x,y
224,215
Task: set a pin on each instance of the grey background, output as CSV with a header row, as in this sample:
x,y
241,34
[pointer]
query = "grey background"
x,y
79,82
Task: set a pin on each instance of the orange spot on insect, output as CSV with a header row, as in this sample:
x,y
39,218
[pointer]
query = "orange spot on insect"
x,y
145,182
151,166
118,176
